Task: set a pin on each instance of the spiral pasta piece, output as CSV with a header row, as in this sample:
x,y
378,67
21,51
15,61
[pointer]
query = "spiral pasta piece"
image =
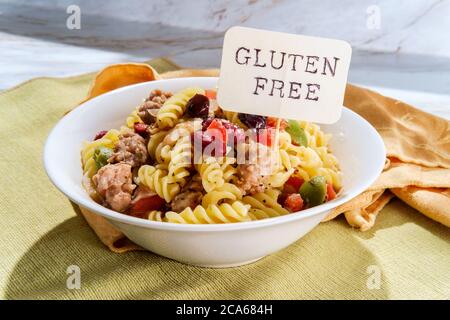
x,y
87,152
133,118
265,205
154,141
229,171
157,180
211,173
316,137
328,159
278,179
180,160
173,109
156,216
288,160
163,153
227,192
309,158
284,140
223,213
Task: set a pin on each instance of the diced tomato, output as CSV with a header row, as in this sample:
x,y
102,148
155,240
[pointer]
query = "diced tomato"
x,y
266,136
272,122
210,142
140,128
293,184
211,94
217,125
100,134
331,194
145,205
293,202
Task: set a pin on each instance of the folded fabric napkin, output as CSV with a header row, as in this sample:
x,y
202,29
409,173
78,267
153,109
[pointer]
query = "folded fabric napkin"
x,y
417,167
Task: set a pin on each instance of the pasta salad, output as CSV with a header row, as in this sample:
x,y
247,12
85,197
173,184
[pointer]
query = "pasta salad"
x,y
180,158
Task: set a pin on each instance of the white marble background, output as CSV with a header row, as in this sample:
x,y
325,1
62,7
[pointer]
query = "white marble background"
x,y
401,48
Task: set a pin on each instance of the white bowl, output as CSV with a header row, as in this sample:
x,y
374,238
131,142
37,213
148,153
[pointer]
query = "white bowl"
x,y
355,143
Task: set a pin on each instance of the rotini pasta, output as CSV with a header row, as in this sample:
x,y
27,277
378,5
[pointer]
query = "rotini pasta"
x,y
163,153
156,216
288,160
154,141
132,119
172,110
316,137
264,205
180,160
157,180
228,169
211,174
227,192
278,179
223,213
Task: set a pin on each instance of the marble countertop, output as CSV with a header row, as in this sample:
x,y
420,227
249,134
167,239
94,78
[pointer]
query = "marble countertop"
x,y
400,49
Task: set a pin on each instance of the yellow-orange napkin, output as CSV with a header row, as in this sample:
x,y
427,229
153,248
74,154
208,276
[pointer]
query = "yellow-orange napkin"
x,y
418,149
418,165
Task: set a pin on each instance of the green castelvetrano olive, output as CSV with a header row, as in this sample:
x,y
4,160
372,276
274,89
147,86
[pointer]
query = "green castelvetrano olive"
x,y
101,156
314,191
297,133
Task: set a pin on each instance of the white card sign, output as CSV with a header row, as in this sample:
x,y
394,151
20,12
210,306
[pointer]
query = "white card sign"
x,y
283,75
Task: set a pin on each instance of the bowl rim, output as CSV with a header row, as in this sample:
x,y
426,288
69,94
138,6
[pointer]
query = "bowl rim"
x,y
149,224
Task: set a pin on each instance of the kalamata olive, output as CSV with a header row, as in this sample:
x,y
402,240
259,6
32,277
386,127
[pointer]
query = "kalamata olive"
x,y
252,121
313,192
141,128
100,134
198,106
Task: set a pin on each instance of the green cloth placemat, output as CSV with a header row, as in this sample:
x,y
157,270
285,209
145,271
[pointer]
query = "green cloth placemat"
x,y
42,234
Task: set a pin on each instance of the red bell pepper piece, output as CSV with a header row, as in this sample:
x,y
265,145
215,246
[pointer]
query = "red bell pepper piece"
x,y
146,205
331,194
293,184
211,94
293,202
272,123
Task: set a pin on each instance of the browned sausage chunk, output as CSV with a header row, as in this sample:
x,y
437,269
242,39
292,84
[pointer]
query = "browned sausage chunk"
x,y
130,149
149,109
113,182
253,176
190,196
